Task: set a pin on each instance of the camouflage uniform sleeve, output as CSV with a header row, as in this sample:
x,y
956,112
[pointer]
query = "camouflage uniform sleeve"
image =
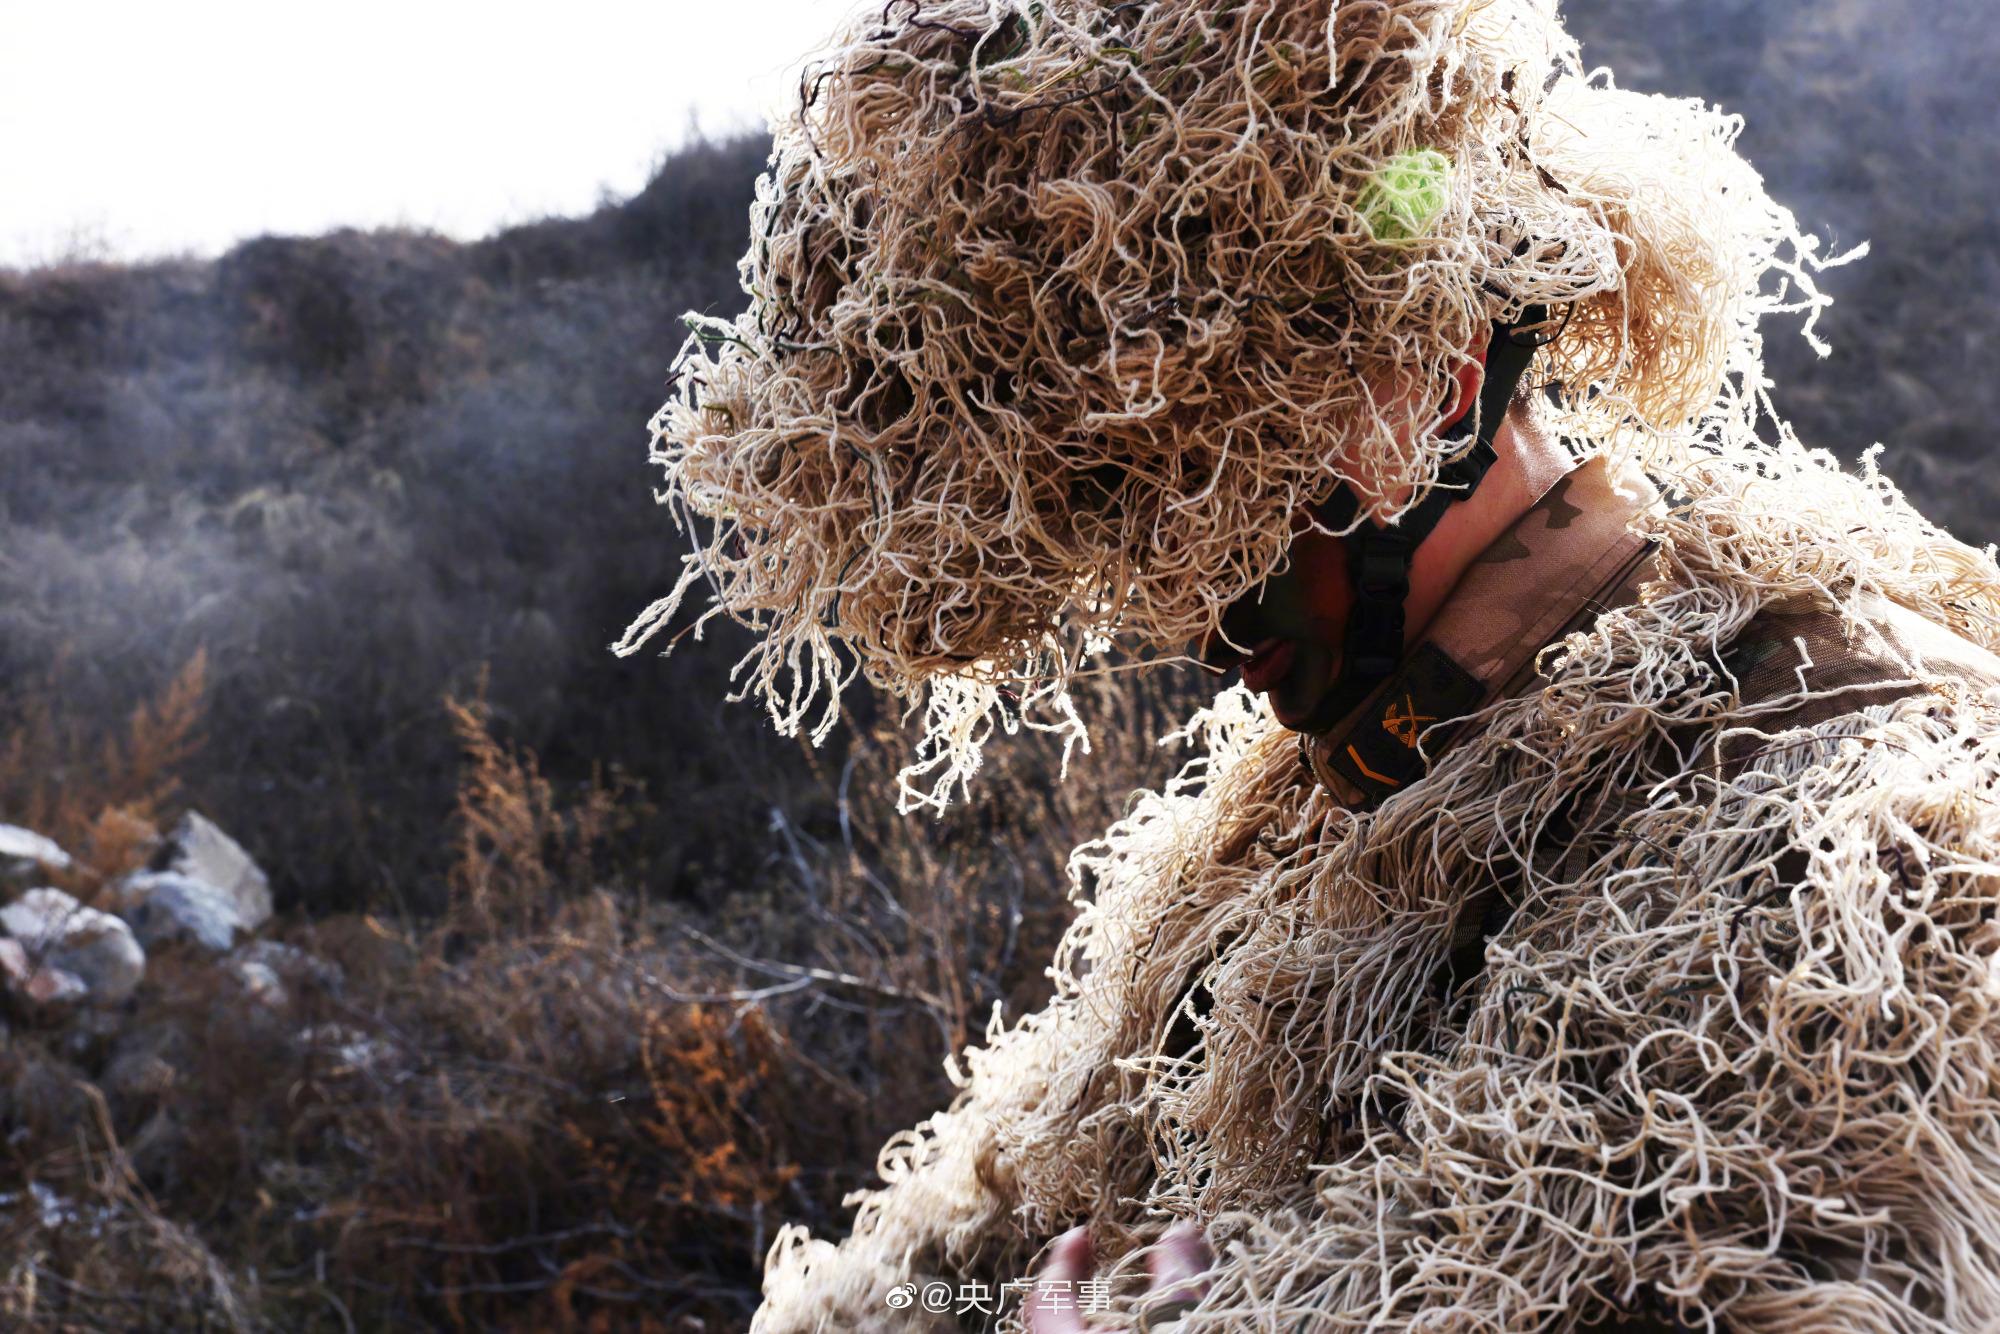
x,y
1806,677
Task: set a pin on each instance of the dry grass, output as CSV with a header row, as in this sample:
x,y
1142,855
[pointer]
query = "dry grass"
x,y
555,1104
99,792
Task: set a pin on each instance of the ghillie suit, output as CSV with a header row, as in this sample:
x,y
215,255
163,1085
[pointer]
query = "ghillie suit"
x,y
1674,986
1673,983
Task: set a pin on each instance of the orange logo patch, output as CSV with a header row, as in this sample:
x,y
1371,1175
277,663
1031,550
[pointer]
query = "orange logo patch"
x,y
1403,722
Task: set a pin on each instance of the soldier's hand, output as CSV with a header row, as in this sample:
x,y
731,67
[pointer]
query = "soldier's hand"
x,y
1174,1263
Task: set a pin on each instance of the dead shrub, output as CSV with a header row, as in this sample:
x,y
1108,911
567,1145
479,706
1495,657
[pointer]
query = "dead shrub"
x,y
558,1104
99,792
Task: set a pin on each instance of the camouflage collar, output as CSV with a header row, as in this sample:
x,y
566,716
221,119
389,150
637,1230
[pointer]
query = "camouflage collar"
x,y
1575,553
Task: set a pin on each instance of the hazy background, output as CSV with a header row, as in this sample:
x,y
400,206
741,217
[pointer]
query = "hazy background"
x,y
132,129
327,342
361,466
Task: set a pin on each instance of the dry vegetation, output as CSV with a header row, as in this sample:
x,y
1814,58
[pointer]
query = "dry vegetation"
x,y
553,1104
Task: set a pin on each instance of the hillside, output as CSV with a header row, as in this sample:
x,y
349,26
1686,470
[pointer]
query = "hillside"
x,y
360,468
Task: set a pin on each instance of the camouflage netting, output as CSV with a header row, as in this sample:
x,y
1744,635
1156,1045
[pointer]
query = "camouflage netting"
x,y
1060,311
1731,1056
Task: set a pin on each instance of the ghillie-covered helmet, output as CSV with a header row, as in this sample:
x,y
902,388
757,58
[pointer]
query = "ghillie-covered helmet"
x,y
1060,311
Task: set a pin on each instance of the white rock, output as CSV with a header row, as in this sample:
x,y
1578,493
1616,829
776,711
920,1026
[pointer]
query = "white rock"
x,y
56,932
291,963
25,853
259,982
351,1049
167,905
200,851
38,982
55,1211
28,846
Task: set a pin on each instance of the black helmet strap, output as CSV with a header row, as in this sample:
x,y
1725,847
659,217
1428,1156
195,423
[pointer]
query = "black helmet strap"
x,y
1378,558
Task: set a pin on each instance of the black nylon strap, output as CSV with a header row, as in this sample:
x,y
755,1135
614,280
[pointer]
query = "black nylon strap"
x,y
1378,558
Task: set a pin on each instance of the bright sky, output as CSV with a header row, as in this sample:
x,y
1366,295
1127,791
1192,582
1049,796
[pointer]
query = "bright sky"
x,y
141,128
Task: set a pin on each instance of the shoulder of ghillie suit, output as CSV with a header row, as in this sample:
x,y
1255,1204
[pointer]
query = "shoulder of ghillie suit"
x,y
1716,889
1059,313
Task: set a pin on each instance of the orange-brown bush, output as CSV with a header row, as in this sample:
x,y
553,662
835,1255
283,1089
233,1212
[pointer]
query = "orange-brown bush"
x,y
515,845
98,792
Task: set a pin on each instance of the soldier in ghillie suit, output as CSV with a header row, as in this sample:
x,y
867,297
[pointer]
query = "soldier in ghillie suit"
x,y
1596,917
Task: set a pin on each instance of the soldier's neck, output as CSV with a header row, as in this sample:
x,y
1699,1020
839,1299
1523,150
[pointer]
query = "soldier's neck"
x,y
1530,459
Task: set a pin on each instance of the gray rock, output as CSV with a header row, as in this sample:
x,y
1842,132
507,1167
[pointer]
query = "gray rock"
x,y
37,981
200,851
291,963
146,1062
57,934
164,906
260,982
26,855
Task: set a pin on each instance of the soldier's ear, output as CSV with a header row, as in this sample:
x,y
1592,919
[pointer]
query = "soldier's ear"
x,y
1466,378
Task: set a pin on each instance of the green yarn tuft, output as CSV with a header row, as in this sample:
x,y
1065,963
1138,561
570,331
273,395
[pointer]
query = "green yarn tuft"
x,y
1405,195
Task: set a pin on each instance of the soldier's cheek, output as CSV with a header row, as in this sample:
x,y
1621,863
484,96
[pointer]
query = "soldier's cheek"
x,y
1314,666
1321,565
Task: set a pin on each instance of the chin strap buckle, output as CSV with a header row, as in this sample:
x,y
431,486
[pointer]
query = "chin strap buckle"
x,y
1379,566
